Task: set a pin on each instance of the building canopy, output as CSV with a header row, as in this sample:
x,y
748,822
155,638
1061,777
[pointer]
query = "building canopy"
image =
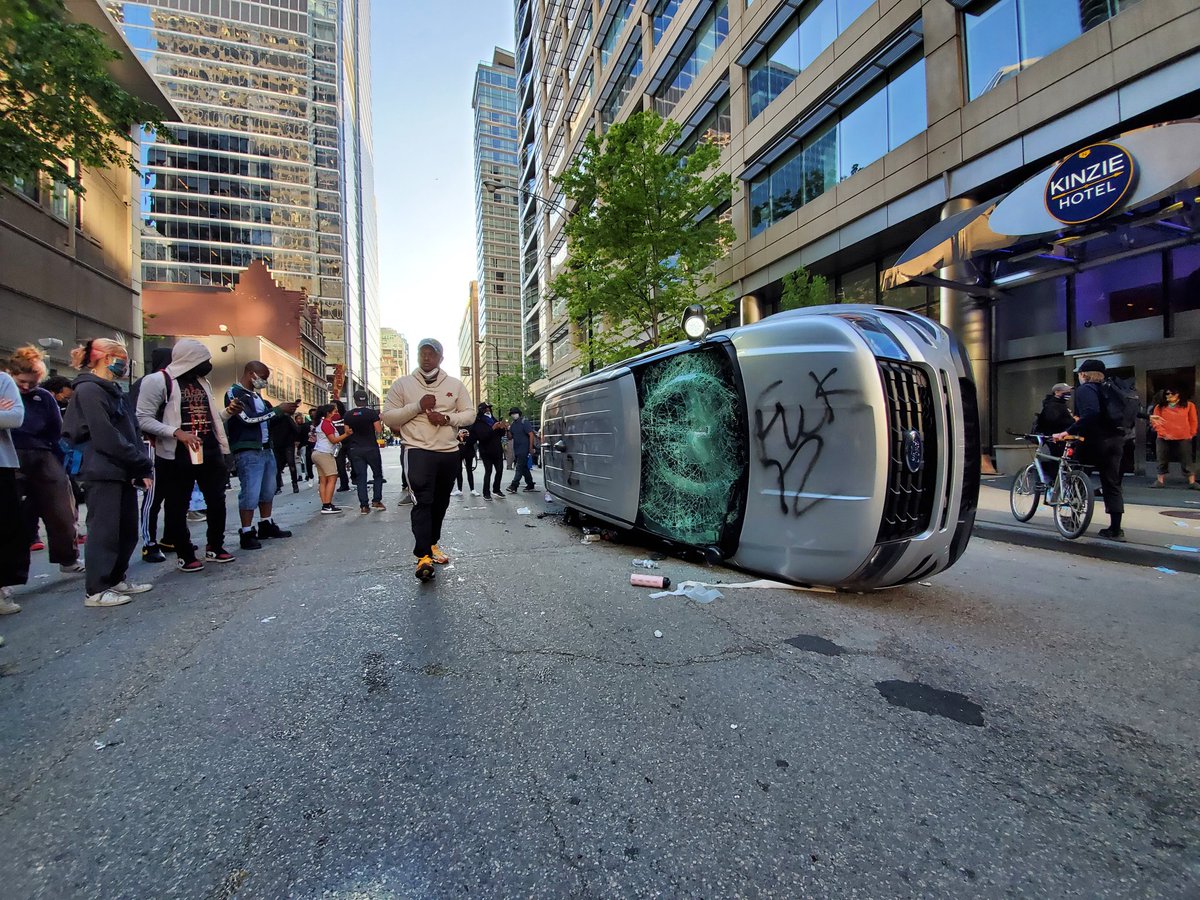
x,y
1140,186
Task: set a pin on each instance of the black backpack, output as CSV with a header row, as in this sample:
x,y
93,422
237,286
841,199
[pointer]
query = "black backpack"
x,y
1119,404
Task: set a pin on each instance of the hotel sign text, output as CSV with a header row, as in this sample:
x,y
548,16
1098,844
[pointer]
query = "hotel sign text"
x,y
1090,183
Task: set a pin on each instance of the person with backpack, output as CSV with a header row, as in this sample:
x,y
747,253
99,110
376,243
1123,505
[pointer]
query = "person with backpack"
x,y
1174,422
176,409
466,455
114,466
1102,421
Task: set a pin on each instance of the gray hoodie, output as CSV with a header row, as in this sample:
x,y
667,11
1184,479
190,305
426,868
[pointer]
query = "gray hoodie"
x,y
10,421
185,356
100,419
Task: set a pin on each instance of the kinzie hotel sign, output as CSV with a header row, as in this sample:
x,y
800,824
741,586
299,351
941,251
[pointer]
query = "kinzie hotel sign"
x,y
1089,184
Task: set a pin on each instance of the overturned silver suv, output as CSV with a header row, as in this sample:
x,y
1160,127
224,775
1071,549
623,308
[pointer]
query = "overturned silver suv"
x,y
834,446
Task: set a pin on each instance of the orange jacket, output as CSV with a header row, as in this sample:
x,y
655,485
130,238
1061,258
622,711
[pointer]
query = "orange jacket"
x,y
1178,423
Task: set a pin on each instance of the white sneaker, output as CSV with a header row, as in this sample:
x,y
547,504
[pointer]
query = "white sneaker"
x,y
106,598
7,607
476,494
456,493
129,587
74,569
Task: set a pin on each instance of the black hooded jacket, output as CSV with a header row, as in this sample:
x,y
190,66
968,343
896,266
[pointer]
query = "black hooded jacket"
x,y
487,439
1054,417
100,421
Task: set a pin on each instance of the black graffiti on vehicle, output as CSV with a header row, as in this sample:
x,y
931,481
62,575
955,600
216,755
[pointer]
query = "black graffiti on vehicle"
x,y
806,436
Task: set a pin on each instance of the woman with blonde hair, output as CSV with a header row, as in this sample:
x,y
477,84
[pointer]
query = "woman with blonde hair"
x,y
115,464
43,483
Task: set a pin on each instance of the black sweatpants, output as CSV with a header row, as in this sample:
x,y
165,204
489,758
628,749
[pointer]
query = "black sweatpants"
x,y
177,477
431,477
343,475
493,471
14,542
112,518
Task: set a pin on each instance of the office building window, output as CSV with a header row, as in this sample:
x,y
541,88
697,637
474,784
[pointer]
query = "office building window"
x,y
1005,36
877,121
715,127
710,34
622,88
796,45
664,12
609,43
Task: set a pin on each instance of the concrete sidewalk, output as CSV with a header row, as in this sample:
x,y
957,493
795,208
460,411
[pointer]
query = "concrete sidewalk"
x,y
1155,521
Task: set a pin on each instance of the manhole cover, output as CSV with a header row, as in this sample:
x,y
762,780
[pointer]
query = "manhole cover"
x,y
1180,513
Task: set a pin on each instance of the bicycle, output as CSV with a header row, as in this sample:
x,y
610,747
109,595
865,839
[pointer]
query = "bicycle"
x,y
1069,492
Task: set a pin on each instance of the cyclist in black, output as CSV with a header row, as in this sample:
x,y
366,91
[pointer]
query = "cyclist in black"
x,y
1104,443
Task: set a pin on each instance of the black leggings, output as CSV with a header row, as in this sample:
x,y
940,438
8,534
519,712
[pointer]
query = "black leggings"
x,y
468,466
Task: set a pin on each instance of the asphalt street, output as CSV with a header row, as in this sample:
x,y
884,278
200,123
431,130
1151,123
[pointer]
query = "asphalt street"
x,y
310,721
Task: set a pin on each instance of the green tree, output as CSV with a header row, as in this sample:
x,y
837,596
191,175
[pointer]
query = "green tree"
x,y
57,100
801,289
638,255
512,389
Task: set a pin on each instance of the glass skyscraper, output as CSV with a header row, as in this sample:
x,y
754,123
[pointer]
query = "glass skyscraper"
x,y
273,161
496,238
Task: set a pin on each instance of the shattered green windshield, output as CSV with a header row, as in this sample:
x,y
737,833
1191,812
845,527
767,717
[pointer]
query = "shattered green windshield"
x,y
692,448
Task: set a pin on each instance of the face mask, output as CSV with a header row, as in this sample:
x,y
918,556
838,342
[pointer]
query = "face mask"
x,y
514,417
203,369
119,367
259,383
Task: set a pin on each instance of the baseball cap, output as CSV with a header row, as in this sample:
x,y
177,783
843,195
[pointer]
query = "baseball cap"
x,y
516,410
430,342
483,406
361,394
1091,365
1061,386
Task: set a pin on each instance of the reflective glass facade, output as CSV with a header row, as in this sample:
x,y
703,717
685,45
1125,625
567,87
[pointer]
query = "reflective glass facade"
x,y
882,118
1005,36
273,161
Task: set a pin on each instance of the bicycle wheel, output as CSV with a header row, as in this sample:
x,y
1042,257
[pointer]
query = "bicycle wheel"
x,y
1024,494
1074,511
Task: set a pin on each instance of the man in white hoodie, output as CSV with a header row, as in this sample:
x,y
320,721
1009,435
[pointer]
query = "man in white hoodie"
x,y
175,408
426,408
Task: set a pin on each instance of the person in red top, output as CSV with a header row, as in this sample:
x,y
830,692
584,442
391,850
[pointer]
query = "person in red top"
x,y
1174,422
324,455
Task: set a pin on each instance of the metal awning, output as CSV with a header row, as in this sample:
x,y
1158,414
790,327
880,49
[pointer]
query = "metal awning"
x,y
1157,190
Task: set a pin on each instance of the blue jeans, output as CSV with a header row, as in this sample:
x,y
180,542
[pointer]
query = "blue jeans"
x,y
256,477
359,460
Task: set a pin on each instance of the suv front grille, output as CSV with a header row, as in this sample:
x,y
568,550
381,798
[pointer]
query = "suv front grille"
x,y
908,505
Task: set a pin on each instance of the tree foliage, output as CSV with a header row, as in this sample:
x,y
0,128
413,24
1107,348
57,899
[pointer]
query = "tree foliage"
x,y
57,100
512,389
638,255
800,289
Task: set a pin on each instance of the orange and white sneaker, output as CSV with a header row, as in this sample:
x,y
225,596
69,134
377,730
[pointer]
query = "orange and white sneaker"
x,y
438,556
425,570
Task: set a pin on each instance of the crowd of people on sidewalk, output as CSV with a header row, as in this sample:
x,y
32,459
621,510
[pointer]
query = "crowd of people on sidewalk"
x,y
86,442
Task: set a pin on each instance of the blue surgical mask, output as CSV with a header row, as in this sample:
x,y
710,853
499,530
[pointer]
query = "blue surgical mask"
x,y
119,367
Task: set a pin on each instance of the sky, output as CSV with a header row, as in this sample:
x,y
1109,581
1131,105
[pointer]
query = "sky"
x,y
424,56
